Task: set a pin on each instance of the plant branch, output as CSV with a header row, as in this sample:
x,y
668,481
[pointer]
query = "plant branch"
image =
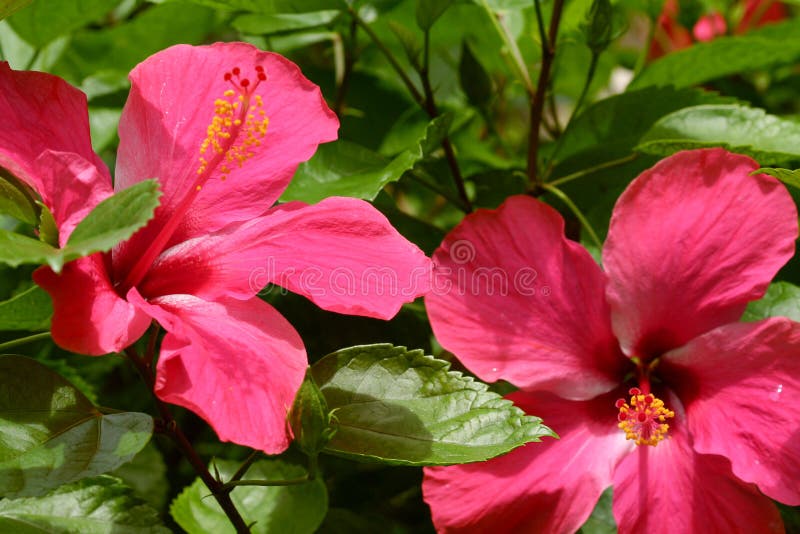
x,y
415,94
172,430
585,172
537,104
577,212
23,340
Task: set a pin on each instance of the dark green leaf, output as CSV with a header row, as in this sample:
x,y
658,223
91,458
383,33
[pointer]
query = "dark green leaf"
x,y
113,220
146,474
428,11
29,310
48,232
7,7
493,187
16,200
274,509
409,40
773,45
50,434
17,249
602,519
41,22
283,22
782,299
473,77
403,407
346,169
786,176
751,131
93,506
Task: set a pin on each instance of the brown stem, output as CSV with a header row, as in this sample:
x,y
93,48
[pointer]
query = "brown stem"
x,y
537,104
433,112
171,429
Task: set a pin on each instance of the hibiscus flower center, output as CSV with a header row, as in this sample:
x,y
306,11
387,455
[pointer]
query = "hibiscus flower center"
x,y
643,419
237,127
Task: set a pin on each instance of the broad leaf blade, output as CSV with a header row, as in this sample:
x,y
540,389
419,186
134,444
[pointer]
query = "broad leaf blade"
x,y
283,22
773,45
113,220
29,310
50,434
17,249
275,509
788,177
767,138
92,506
403,407
782,299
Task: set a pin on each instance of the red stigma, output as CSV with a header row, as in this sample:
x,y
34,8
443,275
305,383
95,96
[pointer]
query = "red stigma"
x,y
236,71
262,76
635,391
620,403
259,68
228,76
245,82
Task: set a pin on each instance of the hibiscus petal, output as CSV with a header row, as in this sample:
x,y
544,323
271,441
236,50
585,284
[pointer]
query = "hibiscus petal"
x,y
70,187
691,242
88,315
237,364
670,488
166,118
341,253
40,112
741,387
514,299
542,487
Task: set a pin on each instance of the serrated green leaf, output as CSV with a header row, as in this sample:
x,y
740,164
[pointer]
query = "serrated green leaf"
x,y
29,310
42,22
751,131
347,169
17,249
429,11
786,176
51,434
402,407
113,220
773,45
268,24
782,299
16,200
7,7
295,509
100,505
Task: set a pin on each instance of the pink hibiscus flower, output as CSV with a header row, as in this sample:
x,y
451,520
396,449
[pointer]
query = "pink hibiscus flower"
x,y
712,413
670,35
222,128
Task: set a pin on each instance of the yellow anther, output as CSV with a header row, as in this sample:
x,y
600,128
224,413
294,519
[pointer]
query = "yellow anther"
x,y
644,419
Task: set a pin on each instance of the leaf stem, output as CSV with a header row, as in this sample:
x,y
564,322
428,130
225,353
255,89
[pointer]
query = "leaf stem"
x,y
23,340
228,486
172,430
537,103
577,212
511,44
590,170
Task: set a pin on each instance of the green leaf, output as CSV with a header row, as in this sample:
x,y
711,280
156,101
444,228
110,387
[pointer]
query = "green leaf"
x,y
274,509
786,176
610,128
257,24
428,12
97,505
751,131
602,519
17,249
309,418
475,81
7,7
113,220
347,169
103,123
16,200
50,434
773,45
48,232
146,474
41,22
402,407
29,310
782,299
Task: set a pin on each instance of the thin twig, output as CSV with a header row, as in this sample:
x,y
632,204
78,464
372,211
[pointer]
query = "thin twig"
x,y
537,104
590,170
172,430
23,340
511,44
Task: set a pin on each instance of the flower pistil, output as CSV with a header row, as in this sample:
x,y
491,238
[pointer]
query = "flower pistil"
x,y
643,419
